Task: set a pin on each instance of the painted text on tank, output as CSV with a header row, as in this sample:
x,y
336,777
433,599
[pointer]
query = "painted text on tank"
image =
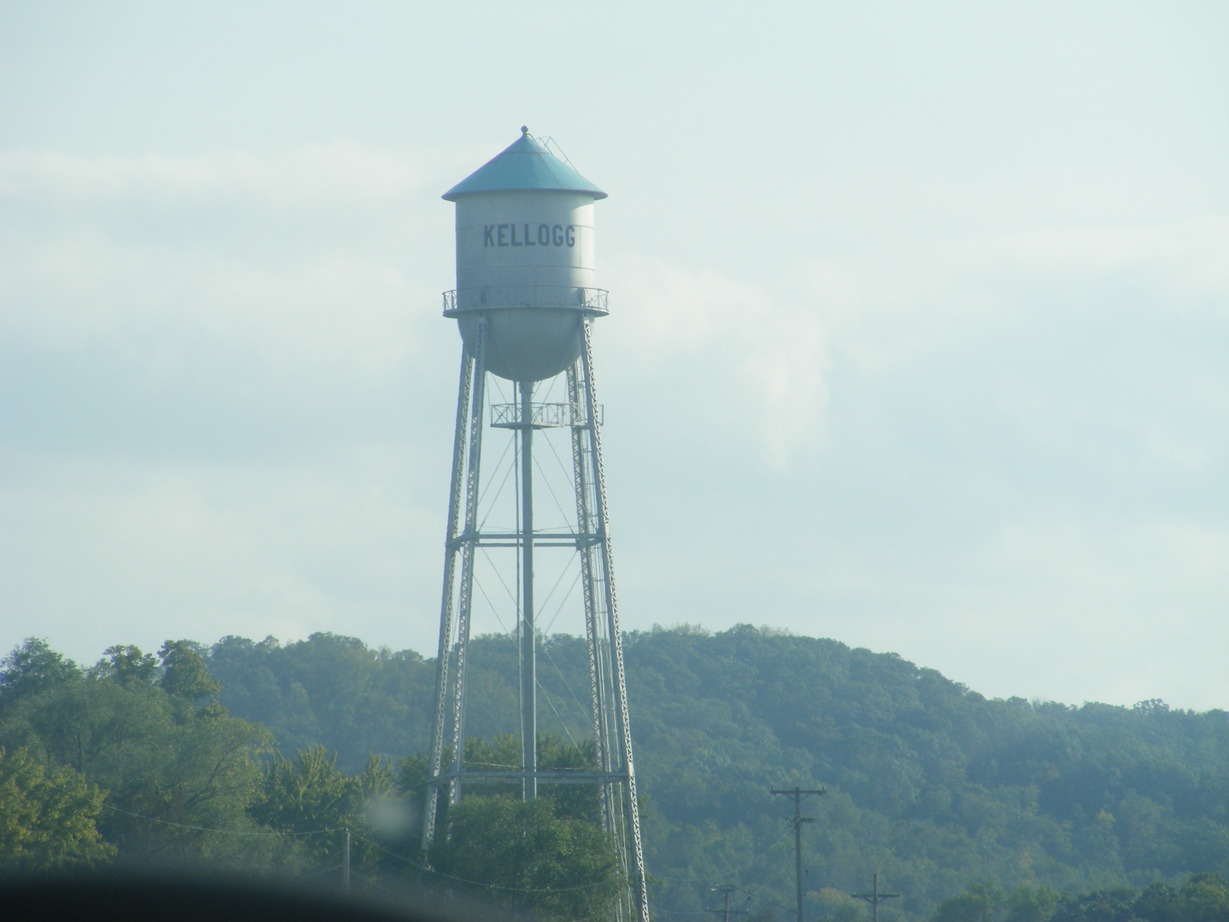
x,y
526,235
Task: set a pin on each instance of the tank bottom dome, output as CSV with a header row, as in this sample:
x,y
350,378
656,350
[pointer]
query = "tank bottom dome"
x,y
529,344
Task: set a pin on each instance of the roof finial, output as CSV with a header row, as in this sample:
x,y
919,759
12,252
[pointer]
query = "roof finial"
x,y
524,129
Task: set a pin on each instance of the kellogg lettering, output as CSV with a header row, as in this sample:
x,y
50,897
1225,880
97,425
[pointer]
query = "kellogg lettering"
x,y
526,235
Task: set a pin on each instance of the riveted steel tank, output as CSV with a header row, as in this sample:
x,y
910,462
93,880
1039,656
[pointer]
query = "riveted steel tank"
x,y
525,261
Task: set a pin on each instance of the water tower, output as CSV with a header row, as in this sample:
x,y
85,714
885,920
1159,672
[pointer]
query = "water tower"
x,y
524,303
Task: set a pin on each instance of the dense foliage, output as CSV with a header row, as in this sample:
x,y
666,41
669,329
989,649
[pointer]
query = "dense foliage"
x,y
47,822
136,760
928,783
529,856
262,754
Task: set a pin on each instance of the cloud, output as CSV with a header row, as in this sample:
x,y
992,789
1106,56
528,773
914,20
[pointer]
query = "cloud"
x,y
1185,260
1072,352
289,257
206,394
227,396
216,249
723,353
958,291
1082,598
331,176
101,552
1023,458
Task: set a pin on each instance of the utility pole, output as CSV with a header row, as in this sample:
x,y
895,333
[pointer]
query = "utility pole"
x,y
875,897
799,819
726,910
345,864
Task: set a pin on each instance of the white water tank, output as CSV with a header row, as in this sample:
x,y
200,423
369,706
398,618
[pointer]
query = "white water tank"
x,y
525,261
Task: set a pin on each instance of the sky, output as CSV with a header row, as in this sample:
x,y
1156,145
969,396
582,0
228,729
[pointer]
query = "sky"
x,y
918,333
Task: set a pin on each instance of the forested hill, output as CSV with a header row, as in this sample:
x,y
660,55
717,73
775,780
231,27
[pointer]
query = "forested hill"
x,y
928,783
968,808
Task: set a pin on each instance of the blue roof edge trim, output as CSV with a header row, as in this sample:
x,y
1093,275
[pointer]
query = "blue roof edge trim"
x,y
524,165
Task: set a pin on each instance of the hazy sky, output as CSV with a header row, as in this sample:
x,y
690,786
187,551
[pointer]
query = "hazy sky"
x,y
919,329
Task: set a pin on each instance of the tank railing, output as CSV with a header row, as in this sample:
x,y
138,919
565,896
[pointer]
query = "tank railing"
x,y
592,300
542,415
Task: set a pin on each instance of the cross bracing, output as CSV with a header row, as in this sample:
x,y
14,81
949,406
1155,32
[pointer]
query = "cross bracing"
x,y
538,498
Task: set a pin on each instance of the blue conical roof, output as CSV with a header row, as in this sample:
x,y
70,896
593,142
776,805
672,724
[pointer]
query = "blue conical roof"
x,y
525,164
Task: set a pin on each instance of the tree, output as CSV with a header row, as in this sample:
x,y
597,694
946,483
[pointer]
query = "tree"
x,y
923,775
1030,904
503,752
184,674
978,903
126,664
1203,898
1115,905
178,787
524,857
47,820
31,668
310,798
305,794
1157,904
328,689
